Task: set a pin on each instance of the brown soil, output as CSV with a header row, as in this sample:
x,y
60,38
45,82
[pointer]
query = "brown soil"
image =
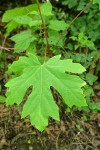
x,y
71,133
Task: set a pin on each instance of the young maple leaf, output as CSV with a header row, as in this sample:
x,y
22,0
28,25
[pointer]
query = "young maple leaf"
x,y
40,103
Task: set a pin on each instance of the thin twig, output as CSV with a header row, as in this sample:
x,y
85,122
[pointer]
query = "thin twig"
x,y
8,49
57,148
74,20
45,31
4,53
29,12
20,135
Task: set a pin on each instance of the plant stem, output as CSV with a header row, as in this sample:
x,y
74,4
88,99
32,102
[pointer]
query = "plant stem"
x,y
45,31
8,49
74,20
4,53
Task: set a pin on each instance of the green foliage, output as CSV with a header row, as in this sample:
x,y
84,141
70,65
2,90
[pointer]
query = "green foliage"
x,y
92,106
29,17
41,77
95,106
80,5
97,1
57,25
23,40
10,15
45,7
83,42
91,78
30,71
70,3
2,99
88,22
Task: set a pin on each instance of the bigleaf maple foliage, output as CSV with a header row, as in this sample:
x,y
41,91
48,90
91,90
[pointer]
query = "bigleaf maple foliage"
x,y
41,76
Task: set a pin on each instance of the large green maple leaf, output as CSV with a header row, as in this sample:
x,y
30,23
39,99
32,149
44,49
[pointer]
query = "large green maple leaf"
x,y
40,103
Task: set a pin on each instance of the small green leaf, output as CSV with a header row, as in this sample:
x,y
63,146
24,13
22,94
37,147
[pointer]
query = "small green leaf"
x,y
58,25
23,40
2,99
40,104
24,20
97,1
53,38
10,14
84,118
81,5
91,78
35,23
98,106
70,3
46,9
95,106
88,91
13,13
16,14
11,26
